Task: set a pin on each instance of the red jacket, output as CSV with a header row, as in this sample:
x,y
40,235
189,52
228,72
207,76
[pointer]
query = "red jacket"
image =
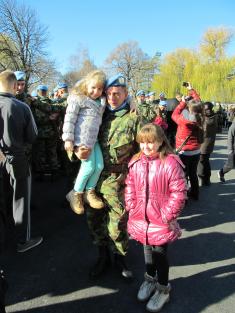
x,y
185,127
155,194
160,122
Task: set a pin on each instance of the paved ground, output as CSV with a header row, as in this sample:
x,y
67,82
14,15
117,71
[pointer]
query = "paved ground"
x,y
53,278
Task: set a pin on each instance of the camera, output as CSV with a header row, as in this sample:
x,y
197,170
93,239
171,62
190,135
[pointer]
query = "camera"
x,y
188,98
185,84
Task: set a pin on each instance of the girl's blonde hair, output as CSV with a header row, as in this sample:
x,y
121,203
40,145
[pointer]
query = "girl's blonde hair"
x,y
80,87
154,133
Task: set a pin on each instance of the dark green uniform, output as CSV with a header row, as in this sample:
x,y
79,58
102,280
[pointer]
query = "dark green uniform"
x,y
44,150
146,113
117,140
26,98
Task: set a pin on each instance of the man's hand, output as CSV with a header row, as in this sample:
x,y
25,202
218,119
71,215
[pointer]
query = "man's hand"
x,y
82,152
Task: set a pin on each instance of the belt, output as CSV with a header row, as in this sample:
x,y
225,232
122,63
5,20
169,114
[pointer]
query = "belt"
x,y
116,168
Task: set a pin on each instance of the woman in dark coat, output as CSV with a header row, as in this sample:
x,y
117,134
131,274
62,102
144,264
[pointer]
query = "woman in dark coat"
x,y
210,128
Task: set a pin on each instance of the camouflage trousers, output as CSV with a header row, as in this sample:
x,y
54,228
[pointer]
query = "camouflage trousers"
x,y
109,226
45,155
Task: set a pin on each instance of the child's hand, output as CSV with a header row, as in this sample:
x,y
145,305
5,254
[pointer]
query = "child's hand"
x,y
68,145
82,152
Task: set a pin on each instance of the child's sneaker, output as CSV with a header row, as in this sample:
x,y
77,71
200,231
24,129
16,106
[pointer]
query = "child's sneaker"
x,y
147,288
161,296
221,176
93,200
76,201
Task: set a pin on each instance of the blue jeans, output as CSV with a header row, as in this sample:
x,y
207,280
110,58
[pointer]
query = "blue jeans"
x,y
90,170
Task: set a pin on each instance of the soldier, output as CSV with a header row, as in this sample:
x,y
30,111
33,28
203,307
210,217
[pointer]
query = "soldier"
x,y
117,140
61,102
62,90
152,98
44,151
21,94
145,110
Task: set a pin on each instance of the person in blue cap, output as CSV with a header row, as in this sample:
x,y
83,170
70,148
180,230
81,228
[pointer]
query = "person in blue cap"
x,y
21,84
145,110
140,95
162,97
152,97
23,96
45,159
117,140
42,90
82,121
62,90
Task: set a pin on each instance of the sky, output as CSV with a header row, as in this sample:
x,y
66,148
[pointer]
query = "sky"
x,y
100,26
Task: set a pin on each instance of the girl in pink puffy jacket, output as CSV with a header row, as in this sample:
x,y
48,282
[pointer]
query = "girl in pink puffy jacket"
x,y
155,194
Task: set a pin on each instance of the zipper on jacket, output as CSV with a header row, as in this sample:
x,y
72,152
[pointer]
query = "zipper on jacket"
x,y
147,198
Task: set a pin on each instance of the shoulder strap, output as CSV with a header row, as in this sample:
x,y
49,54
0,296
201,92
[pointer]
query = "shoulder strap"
x,y
183,144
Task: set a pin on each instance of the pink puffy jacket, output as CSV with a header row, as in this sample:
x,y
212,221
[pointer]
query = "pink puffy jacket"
x,y
155,194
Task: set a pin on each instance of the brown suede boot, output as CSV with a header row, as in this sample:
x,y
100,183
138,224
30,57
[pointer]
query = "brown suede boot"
x,y
93,200
76,201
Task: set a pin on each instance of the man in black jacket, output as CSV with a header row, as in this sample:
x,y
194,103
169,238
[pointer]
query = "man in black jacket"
x,y
18,129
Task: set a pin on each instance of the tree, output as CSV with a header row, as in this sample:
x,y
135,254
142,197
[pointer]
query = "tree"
x,y
22,42
208,69
81,65
214,43
176,67
130,60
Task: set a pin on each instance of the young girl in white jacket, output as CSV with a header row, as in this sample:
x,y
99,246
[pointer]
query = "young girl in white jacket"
x,y
80,130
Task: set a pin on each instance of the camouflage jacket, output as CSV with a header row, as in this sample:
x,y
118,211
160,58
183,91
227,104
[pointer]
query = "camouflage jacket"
x,y
117,136
146,113
26,98
60,105
43,109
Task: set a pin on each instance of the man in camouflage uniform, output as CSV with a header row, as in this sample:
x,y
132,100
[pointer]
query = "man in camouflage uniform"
x,y
145,110
44,150
61,102
117,140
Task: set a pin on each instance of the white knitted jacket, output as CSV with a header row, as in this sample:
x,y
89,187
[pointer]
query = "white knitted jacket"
x,y
82,120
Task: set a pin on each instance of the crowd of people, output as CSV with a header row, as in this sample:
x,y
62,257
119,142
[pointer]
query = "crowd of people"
x,y
134,165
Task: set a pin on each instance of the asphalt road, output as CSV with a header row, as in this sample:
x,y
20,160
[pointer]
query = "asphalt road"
x,y
53,278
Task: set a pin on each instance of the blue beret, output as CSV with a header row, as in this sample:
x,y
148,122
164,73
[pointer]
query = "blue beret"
x,y
20,75
151,93
116,81
42,87
34,93
62,85
163,103
140,93
162,94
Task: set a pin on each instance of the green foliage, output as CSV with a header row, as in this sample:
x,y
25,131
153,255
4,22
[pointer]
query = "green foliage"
x,y
209,70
